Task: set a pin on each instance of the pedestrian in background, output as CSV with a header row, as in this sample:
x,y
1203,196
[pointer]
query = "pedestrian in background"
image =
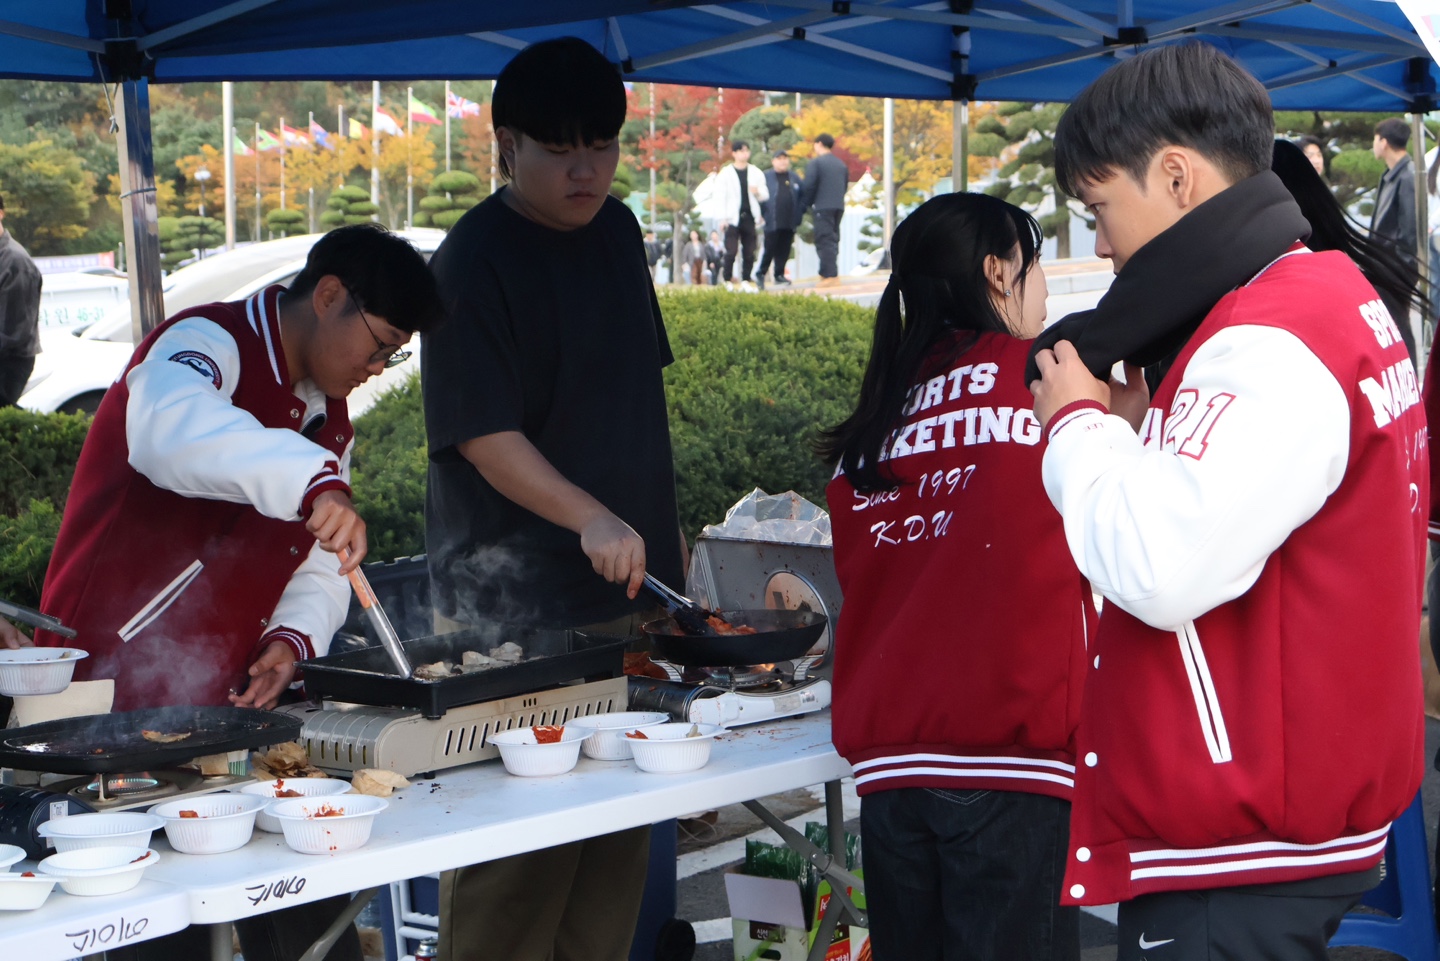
x,y
741,190
1393,220
714,255
19,315
693,258
654,250
826,180
782,216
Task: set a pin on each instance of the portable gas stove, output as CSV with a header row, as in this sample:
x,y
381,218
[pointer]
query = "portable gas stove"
x,y
729,697
120,792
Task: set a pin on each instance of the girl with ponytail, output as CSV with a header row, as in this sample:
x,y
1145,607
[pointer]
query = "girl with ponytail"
x,y
960,650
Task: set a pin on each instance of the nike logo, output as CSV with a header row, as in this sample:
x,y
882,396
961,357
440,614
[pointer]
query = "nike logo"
x,y
1147,945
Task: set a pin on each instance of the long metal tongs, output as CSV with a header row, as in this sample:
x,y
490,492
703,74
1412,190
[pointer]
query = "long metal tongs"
x,y
35,619
690,616
376,614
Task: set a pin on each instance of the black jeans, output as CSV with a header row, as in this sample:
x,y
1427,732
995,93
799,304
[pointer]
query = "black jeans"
x,y
967,876
743,237
777,250
14,372
1229,924
827,241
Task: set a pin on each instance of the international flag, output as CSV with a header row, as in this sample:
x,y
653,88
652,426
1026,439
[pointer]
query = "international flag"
x,y
320,135
241,148
386,123
422,112
293,137
264,140
358,130
458,106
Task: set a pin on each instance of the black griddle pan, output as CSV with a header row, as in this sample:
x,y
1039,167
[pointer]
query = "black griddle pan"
x,y
367,676
779,636
108,743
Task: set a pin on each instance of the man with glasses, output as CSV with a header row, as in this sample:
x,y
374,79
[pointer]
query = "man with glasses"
x,y
197,555
197,552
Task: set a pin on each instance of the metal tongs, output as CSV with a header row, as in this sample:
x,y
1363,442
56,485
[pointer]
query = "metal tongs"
x,y
690,616
388,638
35,619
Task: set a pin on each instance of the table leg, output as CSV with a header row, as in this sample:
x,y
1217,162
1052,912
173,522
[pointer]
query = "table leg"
x,y
841,907
222,941
326,941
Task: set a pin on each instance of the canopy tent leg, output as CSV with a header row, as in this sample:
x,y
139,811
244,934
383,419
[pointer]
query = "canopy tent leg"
x,y
138,209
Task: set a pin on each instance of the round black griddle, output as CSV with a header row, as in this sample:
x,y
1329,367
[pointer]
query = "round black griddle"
x,y
106,743
780,636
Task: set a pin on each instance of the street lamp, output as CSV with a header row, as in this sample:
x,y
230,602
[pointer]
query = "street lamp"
x,y
202,175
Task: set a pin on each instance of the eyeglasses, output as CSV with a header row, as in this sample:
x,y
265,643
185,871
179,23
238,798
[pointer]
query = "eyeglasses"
x,y
390,354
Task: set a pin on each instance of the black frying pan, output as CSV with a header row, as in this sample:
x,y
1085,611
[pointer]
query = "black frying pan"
x,y
70,745
780,636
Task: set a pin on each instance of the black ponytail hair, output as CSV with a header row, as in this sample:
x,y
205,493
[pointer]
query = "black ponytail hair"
x,y
937,287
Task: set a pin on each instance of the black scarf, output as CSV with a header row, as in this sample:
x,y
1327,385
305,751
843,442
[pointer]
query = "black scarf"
x,y
1165,290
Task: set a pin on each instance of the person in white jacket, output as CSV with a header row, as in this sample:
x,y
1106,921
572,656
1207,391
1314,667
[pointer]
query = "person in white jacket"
x,y
740,190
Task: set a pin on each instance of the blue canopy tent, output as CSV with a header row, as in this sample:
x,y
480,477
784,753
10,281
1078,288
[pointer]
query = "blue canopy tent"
x,y
1311,54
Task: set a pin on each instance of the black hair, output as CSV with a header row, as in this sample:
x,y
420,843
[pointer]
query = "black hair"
x,y
560,91
1331,228
1309,141
1394,131
937,287
827,141
1186,95
2,201
738,145
383,272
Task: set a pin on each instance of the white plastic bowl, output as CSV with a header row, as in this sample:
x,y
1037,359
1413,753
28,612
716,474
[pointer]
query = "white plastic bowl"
x,y
109,829
10,854
225,823
608,743
37,670
95,871
327,835
526,757
665,749
307,786
19,893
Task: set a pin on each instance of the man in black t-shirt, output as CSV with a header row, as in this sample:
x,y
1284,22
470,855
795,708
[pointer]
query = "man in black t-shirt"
x,y
551,483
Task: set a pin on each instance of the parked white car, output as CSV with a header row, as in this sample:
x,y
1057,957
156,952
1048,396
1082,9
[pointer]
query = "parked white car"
x,y
76,366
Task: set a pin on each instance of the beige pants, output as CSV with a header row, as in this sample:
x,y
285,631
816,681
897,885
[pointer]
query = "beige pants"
x,y
574,902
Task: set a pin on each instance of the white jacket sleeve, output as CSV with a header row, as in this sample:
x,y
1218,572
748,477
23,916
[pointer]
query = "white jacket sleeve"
x,y
185,434
1257,439
317,598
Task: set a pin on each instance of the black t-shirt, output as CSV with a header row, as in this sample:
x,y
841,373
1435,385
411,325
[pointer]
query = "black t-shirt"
x,y
747,216
557,335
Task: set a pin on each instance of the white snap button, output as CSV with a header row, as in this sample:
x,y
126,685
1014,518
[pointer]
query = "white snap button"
x,y
1097,662
295,415
1092,759
339,438
1082,854
264,622
1077,890
294,551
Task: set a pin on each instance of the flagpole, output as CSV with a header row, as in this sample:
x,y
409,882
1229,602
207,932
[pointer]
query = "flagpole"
x,y
494,141
227,100
311,130
375,147
409,173
282,163
257,181
447,126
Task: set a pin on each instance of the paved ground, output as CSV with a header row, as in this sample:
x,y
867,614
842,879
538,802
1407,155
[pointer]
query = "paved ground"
x,y
705,854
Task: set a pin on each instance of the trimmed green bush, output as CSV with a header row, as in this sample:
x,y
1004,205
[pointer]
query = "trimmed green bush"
x,y
26,542
387,472
37,457
450,194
